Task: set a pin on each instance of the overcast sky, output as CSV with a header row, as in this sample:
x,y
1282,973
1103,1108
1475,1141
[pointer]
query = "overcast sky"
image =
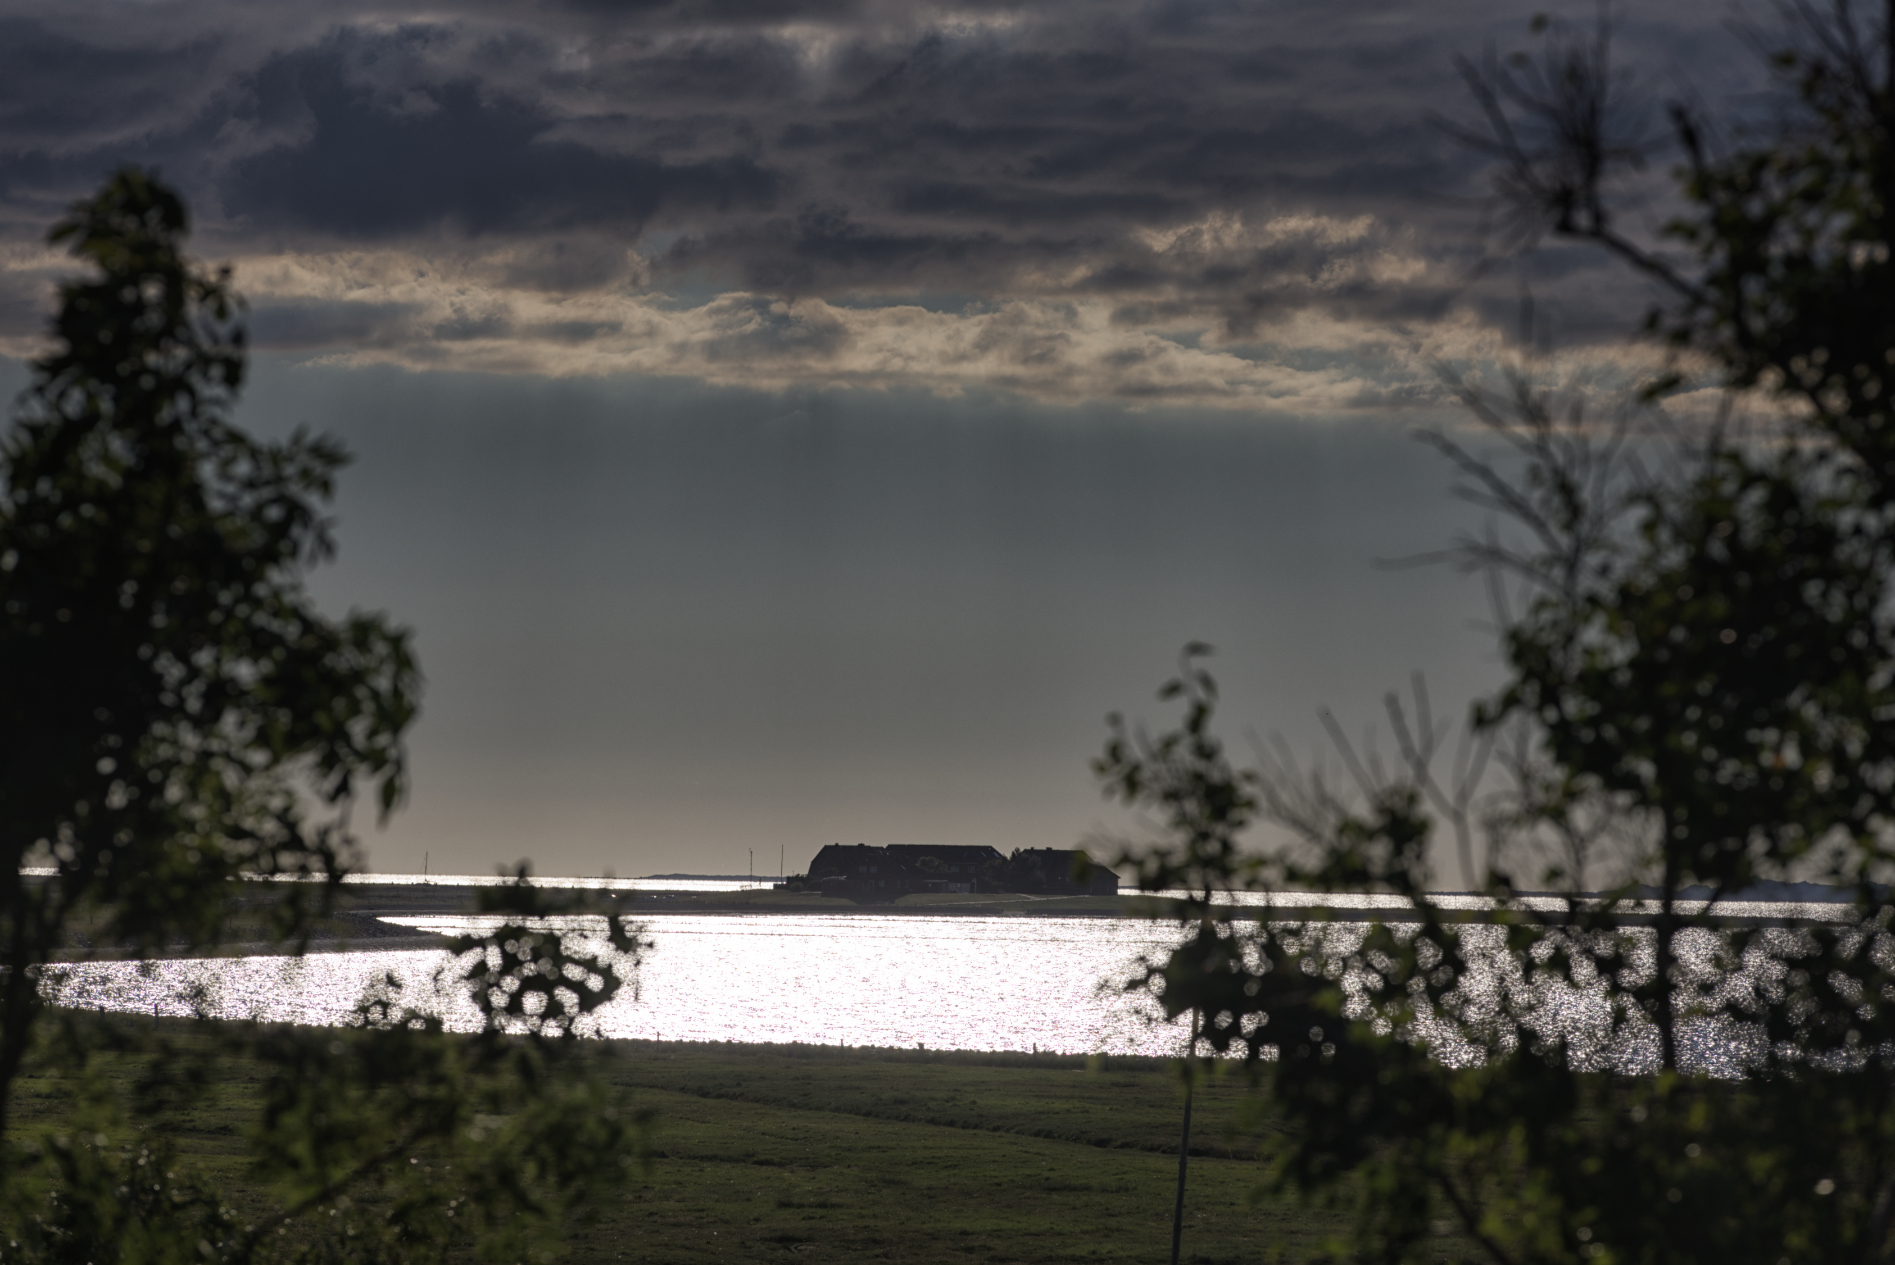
x,y
787,423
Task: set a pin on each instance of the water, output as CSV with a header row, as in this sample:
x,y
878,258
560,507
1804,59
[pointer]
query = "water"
x,y
1005,983
972,983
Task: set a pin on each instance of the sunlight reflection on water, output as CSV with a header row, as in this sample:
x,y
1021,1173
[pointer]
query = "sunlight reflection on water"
x,y
971,983
953,983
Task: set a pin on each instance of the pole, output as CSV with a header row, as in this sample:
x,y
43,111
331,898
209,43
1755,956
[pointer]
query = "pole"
x,y
1184,1145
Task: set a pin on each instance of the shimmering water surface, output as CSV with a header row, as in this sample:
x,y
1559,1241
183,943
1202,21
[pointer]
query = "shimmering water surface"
x,y
1006,983
960,982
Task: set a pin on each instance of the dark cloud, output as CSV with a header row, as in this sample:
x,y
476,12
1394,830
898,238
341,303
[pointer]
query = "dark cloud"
x,y
717,10
823,246
874,148
1011,206
456,156
60,88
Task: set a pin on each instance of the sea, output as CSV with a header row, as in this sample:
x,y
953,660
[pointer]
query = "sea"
x,y
1012,983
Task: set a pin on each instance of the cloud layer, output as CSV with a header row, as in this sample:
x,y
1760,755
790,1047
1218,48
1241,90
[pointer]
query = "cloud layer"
x,y
1189,201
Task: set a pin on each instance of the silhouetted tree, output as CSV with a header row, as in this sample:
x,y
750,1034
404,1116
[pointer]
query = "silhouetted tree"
x,y
1700,665
179,722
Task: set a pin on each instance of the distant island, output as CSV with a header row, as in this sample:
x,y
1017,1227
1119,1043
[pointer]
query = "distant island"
x,y
864,873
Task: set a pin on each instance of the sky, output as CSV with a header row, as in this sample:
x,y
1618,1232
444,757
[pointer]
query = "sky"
x,y
789,423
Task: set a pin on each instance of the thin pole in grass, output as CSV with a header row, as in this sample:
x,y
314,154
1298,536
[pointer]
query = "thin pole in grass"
x,y
1184,1144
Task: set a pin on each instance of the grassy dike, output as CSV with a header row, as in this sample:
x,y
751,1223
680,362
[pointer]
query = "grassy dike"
x,y
829,1154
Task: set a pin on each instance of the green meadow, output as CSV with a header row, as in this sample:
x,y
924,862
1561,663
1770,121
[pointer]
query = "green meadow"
x,y
830,1154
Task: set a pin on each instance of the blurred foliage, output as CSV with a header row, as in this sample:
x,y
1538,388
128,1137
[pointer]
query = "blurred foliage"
x,y
1695,624
179,726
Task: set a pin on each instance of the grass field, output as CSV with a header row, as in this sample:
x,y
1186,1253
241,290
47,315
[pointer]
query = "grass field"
x,y
829,1154
906,1156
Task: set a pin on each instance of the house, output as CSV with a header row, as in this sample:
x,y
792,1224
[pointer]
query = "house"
x,y
870,873
858,871
951,867
1055,871
862,872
